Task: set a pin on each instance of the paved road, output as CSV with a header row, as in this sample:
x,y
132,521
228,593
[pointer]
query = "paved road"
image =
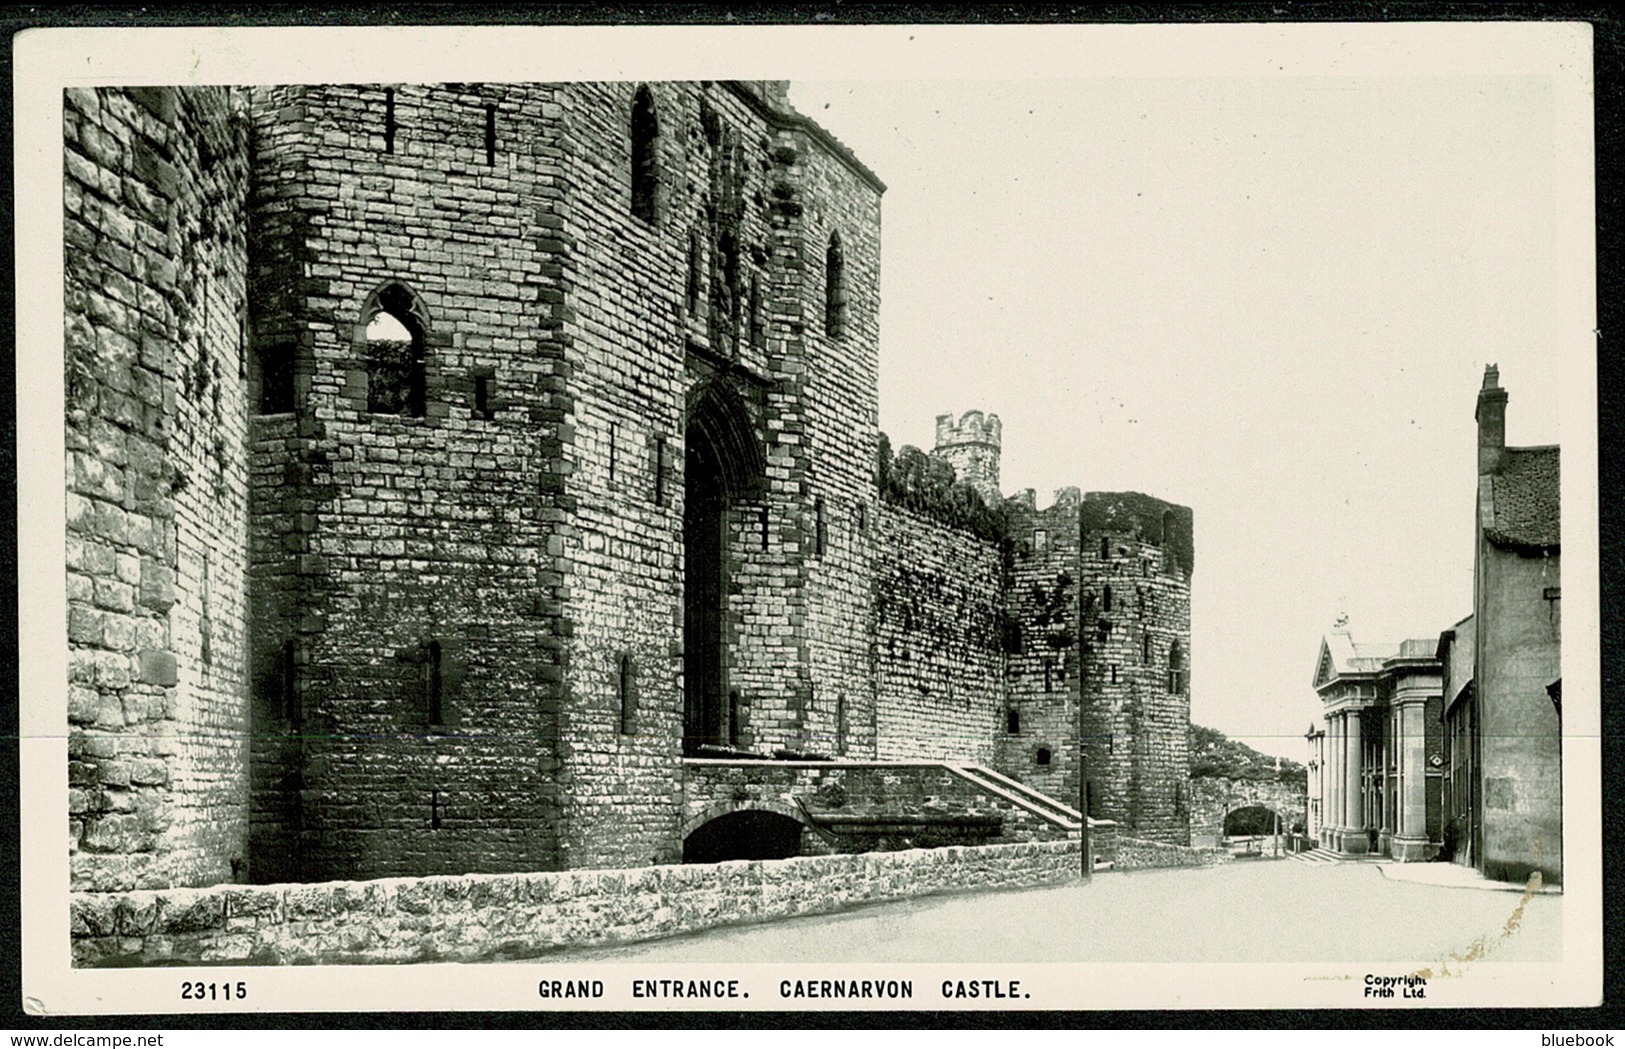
x,y
1247,911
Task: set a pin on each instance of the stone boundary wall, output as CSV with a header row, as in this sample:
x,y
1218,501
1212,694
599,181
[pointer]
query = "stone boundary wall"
x,y
1139,854
480,917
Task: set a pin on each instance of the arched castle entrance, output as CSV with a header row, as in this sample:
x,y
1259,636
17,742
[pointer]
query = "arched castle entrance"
x,y
723,464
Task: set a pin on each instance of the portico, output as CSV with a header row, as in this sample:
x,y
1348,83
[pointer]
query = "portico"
x,y
1380,776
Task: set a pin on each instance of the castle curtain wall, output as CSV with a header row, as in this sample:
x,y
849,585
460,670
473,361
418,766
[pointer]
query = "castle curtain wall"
x,y
939,663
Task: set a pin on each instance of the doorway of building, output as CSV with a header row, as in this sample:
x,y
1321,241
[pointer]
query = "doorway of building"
x,y
1461,828
722,465
704,588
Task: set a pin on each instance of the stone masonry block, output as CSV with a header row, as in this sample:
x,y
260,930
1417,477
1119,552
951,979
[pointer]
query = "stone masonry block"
x,y
158,667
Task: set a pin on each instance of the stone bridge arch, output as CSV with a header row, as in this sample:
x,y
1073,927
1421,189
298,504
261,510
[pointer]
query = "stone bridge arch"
x,y
750,829
1213,797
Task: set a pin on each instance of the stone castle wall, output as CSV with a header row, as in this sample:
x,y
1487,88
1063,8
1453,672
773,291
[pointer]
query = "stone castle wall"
x,y
1215,797
939,666
350,604
154,259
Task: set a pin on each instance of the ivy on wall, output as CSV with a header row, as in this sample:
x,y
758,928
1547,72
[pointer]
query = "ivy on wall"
x,y
916,481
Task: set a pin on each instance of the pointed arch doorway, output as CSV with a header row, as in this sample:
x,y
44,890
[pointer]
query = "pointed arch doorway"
x,y
722,466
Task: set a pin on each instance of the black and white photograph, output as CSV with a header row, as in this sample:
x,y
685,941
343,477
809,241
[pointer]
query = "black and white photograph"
x,y
990,517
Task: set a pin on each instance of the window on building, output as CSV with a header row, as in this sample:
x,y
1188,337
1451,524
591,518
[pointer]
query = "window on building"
x,y
840,723
1014,643
1145,647
662,462
288,683
490,135
389,120
396,361
834,288
696,263
1040,540
626,685
1105,548
1106,598
1049,675
725,293
1042,757
820,527
733,717
483,387
645,156
1176,668
434,684
272,369
1012,721
755,312
242,339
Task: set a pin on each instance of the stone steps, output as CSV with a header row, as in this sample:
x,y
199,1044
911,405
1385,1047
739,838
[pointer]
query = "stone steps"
x,y
1041,805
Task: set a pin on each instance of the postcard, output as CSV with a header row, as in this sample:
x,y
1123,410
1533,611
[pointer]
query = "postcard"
x,y
895,517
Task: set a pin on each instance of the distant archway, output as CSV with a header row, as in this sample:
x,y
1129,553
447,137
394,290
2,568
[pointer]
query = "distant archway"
x,y
1251,820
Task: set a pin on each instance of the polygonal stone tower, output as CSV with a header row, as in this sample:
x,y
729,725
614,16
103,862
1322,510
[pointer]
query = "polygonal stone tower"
x,y
971,447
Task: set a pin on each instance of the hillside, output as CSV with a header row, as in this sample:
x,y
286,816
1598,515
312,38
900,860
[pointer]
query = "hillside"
x,y
1215,754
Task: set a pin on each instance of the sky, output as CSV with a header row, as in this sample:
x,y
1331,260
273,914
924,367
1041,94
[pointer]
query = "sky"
x,y
1269,298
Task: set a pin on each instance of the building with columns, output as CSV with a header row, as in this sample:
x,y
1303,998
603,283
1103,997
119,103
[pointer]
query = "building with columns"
x,y
1314,816
1380,752
1454,749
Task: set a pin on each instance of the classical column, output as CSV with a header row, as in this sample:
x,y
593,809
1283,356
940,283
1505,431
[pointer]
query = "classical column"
x,y
1412,841
1328,786
1354,838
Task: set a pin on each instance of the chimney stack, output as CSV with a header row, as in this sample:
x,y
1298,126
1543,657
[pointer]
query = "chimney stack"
x,y
1492,422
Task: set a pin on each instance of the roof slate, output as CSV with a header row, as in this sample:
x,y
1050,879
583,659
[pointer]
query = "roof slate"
x,y
1525,509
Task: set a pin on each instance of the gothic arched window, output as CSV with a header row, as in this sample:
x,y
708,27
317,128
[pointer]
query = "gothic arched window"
x,y
396,330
